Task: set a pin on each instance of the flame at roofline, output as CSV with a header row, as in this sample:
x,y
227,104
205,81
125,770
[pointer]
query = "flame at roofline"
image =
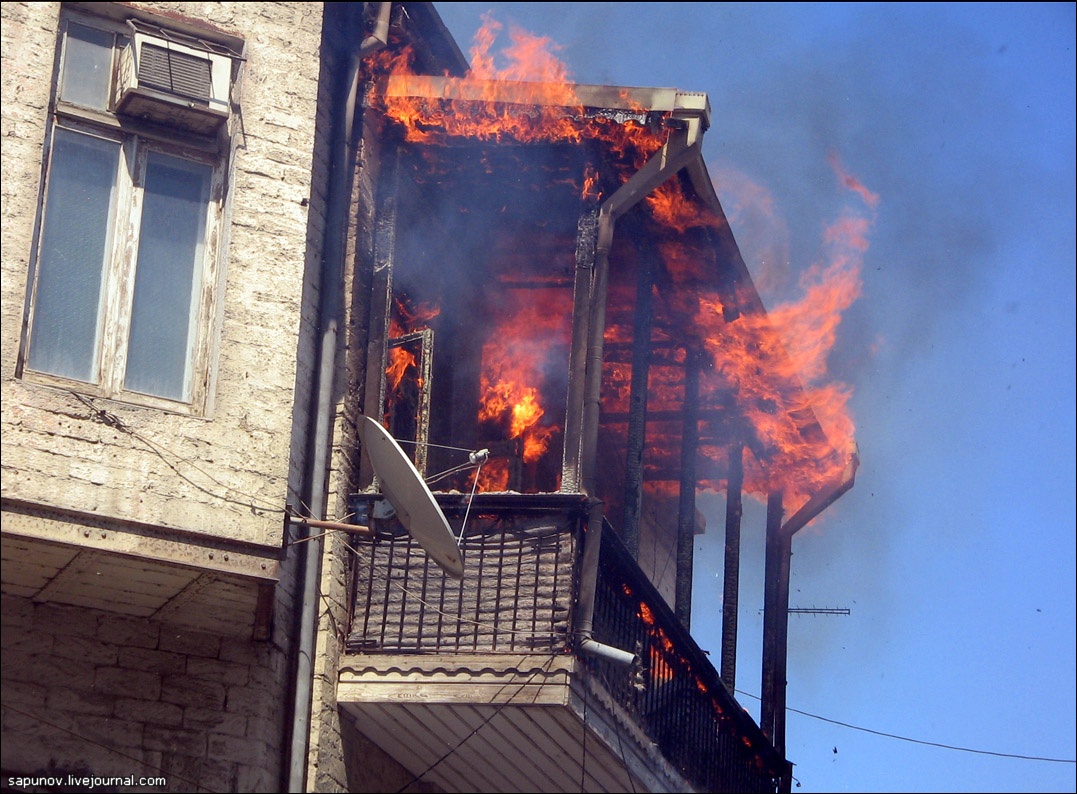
x,y
436,110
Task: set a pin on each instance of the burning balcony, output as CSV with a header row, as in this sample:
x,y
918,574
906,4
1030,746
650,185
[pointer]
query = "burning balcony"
x,y
475,684
557,326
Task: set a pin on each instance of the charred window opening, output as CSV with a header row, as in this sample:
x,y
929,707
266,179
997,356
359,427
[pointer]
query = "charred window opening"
x,y
486,270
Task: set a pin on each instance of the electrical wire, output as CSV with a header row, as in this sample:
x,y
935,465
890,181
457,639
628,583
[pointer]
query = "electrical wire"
x,y
256,505
884,734
110,419
508,702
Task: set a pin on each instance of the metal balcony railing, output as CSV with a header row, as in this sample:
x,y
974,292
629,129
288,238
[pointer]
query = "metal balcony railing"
x,y
522,556
682,703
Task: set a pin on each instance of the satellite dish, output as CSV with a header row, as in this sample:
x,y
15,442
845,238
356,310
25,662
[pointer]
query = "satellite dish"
x,y
412,500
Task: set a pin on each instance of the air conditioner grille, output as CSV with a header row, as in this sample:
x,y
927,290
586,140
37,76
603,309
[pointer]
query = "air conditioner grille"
x,y
175,72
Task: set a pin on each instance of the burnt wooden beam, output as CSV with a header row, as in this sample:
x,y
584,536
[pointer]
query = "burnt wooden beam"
x,y
734,510
686,504
824,498
385,224
637,402
586,240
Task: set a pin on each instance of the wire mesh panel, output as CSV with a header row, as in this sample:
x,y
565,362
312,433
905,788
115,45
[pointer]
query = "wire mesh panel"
x,y
516,594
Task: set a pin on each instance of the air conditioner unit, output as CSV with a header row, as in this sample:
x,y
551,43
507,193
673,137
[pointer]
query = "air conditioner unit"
x,y
173,84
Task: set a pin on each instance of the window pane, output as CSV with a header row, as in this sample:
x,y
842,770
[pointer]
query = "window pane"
x,y
168,277
87,67
71,263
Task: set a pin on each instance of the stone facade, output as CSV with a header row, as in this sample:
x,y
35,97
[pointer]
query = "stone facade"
x,y
243,443
155,582
191,500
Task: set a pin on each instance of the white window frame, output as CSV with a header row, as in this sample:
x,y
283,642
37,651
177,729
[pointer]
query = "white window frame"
x,y
119,272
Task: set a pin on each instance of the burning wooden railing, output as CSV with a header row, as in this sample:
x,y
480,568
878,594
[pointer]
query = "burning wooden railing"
x,y
520,591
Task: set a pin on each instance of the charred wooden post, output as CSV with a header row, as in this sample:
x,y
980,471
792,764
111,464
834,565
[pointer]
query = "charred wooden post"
x,y
686,513
637,403
771,618
734,509
516,465
385,227
407,407
586,240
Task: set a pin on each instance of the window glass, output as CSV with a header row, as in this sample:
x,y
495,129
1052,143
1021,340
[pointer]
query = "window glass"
x,y
74,247
167,283
87,67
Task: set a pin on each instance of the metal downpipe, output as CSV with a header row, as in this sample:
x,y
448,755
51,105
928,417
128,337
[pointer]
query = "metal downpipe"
x,y
671,158
317,474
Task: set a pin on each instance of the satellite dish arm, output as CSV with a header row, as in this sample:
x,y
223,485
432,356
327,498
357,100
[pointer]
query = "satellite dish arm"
x,y
476,458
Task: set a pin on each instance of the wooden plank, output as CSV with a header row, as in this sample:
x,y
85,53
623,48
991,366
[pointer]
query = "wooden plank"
x,y
185,597
488,678
510,732
142,572
22,591
74,570
592,761
498,763
405,737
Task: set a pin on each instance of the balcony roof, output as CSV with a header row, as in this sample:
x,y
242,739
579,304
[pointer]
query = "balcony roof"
x,y
500,723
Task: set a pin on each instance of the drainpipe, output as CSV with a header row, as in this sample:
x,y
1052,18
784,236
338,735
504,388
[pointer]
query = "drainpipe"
x,y
375,41
776,603
592,543
320,451
682,147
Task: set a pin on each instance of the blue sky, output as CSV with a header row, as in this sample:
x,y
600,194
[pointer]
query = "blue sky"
x,y
955,550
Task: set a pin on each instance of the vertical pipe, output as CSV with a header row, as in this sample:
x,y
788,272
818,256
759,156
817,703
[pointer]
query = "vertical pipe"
x,y
785,553
316,483
734,509
317,475
686,505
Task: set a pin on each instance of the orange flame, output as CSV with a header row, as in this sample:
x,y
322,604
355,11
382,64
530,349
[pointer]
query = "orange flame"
x,y
780,359
590,190
774,365
673,209
531,98
405,320
513,358
400,360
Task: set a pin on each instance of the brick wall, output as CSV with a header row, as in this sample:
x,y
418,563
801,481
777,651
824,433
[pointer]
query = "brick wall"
x,y
91,693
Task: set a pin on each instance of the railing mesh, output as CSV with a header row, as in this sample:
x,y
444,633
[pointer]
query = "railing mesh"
x,y
677,696
516,594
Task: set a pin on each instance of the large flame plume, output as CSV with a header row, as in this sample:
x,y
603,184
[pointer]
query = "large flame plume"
x,y
774,364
